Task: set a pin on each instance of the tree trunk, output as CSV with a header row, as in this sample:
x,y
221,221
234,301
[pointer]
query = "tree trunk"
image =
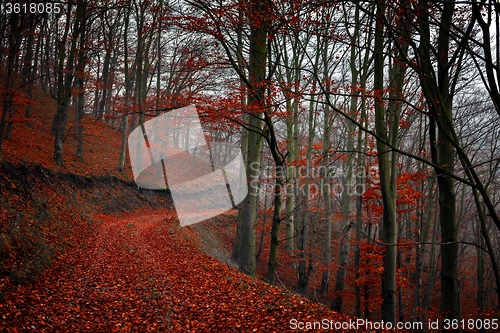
x,y
257,74
123,148
422,238
65,80
386,172
239,227
487,241
432,266
81,95
346,185
480,269
246,259
292,147
273,252
244,134
438,97
30,64
303,274
106,86
361,172
14,44
327,259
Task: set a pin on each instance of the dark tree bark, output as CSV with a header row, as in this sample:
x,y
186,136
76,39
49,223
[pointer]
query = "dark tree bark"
x,y
14,44
436,89
65,78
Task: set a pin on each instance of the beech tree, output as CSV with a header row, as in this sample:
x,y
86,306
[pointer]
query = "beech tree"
x,y
388,160
66,75
14,42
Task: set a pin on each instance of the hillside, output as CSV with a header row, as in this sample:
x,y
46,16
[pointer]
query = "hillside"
x,y
83,249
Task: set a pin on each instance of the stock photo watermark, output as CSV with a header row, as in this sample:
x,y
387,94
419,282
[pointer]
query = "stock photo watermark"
x,y
321,180
170,152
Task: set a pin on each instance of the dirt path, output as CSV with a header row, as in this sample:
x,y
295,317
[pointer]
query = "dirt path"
x,y
119,282
142,272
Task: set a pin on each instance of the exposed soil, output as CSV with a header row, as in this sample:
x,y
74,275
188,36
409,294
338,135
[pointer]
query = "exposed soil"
x,y
211,242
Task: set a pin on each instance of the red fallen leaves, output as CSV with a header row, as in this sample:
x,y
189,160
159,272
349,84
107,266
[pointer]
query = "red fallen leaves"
x,y
142,272
32,140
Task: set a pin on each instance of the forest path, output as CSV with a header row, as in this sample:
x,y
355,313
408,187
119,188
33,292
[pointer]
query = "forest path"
x,y
142,272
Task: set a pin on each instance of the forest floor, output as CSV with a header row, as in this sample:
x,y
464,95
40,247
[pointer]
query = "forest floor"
x,y
142,272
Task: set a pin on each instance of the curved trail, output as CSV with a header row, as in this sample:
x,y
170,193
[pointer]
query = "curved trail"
x,y
142,272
